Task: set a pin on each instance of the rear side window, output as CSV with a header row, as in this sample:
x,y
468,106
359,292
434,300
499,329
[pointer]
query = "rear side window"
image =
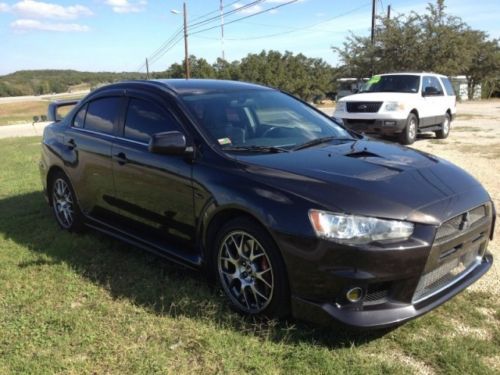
x,y
101,115
145,118
448,87
432,85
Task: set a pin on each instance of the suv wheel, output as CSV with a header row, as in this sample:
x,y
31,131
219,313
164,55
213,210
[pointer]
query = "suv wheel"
x,y
445,127
64,204
250,269
409,133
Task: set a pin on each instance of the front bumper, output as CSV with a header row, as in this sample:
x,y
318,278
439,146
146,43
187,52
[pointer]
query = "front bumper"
x,y
370,126
391,313
400,281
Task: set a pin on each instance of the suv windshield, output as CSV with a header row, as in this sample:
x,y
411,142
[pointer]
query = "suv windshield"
x,y
265,120
392,83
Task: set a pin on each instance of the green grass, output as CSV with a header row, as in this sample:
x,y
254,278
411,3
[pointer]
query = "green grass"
x,y
91,304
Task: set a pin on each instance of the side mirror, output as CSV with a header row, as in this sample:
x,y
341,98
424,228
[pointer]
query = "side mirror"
x,y
168,143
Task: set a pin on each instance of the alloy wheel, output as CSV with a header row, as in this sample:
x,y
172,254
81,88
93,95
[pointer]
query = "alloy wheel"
x,y
62,202
446,125
412,129
245,272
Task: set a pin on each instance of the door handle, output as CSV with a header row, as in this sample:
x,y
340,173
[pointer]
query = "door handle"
x,y
71,143
121,158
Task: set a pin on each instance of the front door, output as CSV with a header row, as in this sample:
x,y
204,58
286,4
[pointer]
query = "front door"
x,y
154,192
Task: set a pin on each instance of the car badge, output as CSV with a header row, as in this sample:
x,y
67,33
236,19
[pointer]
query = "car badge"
x,y
465,224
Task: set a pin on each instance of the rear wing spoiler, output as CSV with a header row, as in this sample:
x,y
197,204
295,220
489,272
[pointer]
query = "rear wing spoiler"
x,y
52,112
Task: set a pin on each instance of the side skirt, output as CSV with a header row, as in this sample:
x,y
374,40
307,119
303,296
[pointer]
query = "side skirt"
x,y
172,253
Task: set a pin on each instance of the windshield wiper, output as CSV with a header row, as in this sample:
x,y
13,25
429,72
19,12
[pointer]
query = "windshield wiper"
x,y
264,149
318,141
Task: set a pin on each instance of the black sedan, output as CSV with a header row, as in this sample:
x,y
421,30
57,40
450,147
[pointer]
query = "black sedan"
x,y
290,212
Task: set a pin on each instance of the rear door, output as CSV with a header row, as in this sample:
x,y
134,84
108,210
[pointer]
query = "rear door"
x,y
435,106
154,192
90,138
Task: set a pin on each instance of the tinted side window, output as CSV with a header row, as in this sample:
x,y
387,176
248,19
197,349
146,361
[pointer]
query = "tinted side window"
x,y
433,84
448,86
101,115
145,119
79,119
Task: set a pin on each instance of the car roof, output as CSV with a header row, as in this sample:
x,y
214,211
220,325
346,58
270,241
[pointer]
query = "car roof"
x,y
413,73
190,86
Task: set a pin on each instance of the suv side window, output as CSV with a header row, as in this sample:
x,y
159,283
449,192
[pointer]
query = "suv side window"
x,y
101,115
79,119
432,86
145,118
448,86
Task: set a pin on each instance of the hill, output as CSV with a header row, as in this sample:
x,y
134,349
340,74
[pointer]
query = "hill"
x,y
39,82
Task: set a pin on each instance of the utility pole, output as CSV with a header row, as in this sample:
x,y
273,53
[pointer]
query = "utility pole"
x,y
222,28
389,12
373,22
372,37
147,68
186,53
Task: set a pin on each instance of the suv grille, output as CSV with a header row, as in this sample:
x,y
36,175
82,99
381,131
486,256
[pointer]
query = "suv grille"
x,y
364,107
458,248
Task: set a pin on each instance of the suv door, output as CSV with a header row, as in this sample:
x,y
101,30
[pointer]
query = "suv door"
x,y
153,191
90,137
434,107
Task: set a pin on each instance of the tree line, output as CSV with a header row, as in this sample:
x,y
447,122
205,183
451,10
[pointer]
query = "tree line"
x,y
311,79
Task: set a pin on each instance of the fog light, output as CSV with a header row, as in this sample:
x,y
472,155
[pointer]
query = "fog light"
x,y
389,123
354,294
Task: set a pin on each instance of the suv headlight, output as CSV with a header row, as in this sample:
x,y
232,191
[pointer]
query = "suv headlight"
x,y
356,230
394,106
340,107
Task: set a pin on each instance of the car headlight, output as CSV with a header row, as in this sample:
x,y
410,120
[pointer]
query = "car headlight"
x,y
356,230
340,107
394,106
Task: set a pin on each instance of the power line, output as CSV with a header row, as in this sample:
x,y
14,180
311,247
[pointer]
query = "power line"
x,y
250,15
294,30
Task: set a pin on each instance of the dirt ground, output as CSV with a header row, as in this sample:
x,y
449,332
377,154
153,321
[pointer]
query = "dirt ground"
x,y
474,145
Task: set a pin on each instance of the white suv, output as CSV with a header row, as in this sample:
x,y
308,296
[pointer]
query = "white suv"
x,y
402,104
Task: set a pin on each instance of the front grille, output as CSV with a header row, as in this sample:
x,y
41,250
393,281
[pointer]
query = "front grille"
x,y
460,223
363,107
449,272
458,248
376,294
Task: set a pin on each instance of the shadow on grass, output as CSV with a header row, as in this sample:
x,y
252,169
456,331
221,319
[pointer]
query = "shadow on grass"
x,y
158,286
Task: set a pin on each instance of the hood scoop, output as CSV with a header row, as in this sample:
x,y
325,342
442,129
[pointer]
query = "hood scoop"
x,y
362,154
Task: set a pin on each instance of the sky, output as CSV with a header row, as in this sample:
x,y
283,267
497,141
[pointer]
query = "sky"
x,y
117,35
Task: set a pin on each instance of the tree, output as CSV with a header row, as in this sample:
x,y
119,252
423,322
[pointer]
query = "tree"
x,y
484,66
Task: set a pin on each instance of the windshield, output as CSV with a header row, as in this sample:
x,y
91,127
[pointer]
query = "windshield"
x,y
260,118
392,83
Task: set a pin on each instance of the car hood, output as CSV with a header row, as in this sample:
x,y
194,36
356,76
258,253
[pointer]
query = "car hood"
x,y
378,97
371,178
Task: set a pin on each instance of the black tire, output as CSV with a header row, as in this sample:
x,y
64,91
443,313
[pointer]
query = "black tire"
x,y
265,274
409,133
64,203
445,127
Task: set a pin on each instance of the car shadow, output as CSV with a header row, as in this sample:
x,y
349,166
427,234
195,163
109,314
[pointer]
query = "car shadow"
x,y
158,286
